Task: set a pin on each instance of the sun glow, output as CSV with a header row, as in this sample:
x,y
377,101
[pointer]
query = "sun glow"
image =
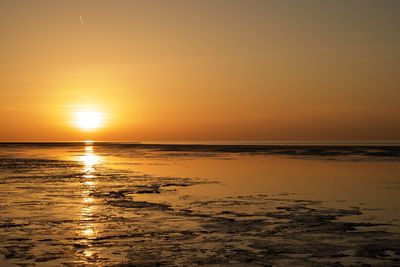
x,y
89,120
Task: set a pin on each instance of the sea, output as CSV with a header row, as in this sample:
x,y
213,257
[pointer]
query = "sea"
x,y
199,204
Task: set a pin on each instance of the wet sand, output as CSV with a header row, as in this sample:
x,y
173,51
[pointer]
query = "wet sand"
x,y
178,205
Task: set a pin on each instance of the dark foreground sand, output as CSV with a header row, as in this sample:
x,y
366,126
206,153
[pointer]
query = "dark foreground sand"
x,y
90,206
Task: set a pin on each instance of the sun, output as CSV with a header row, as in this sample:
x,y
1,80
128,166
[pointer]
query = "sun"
x,y
89,120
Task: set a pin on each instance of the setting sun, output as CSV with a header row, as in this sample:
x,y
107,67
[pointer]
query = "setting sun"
x,y
89,120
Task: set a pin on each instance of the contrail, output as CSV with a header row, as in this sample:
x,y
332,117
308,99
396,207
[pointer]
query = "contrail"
x,y
83,24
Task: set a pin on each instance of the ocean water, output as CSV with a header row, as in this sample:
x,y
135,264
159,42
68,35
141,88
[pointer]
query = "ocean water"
x,y
127,204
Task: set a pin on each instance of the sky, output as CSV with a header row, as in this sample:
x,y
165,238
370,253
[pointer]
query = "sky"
x,y
188,70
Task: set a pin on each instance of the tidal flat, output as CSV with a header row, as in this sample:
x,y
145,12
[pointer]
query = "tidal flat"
x,y
127,204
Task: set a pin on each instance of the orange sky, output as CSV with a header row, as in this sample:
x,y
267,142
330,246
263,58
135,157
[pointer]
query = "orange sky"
x,y
200,70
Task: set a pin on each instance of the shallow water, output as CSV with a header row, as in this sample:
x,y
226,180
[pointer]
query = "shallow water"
x,y
109,204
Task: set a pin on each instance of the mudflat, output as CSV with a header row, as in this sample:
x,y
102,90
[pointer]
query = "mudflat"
x,y
114,204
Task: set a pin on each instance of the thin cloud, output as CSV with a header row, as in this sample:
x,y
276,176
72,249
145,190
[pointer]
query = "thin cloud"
x,y
82,22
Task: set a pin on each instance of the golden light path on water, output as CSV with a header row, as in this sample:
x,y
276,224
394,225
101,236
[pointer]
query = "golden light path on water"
x,y
88,227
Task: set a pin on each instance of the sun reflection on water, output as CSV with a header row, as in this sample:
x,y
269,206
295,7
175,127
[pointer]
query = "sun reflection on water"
x,y
89,160
88,226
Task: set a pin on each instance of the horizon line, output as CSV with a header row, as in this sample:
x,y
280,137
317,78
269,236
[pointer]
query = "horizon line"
x,y
371,142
